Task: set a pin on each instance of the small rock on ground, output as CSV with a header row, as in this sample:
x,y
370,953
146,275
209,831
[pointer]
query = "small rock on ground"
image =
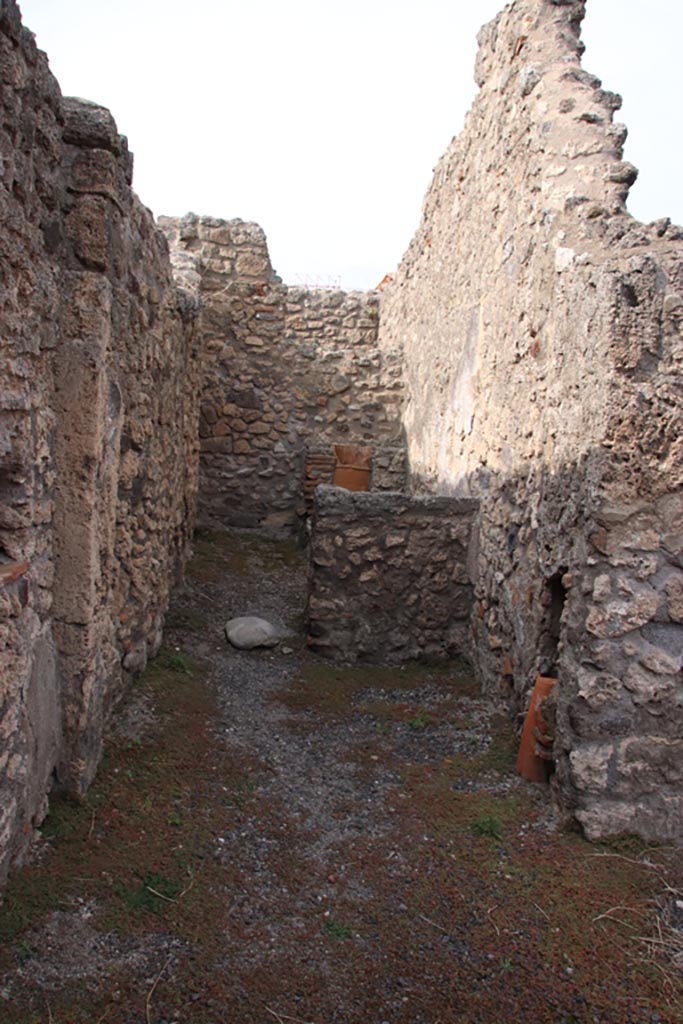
x,y
249,631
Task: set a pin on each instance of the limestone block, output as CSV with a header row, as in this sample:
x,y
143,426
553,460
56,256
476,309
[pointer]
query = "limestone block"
x,y
660,662
251,265
652,688
87,227
644,764
89,125
95,171
674,593
589,765
602,588
82,420
597,689
339,382
209,413
615,618
602,819
528,80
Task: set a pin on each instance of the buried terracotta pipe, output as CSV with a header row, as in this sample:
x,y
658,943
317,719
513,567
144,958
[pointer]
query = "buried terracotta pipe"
x,y
534,749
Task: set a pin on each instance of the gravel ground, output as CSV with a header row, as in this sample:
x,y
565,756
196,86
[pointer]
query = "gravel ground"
x,y
273,838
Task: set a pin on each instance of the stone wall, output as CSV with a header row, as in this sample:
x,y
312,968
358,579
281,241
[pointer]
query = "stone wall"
x,y
287,369
98,433
541,332
528,355
391,576
127,381
31,192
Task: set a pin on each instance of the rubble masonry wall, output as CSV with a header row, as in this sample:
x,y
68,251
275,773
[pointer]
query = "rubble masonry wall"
x,y
98,433
528,358
391,576
287,369
540,327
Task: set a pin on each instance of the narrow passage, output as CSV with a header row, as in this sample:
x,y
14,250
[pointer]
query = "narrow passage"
x,y
273,839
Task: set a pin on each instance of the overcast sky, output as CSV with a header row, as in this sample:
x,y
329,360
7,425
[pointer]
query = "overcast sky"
x,y
322,120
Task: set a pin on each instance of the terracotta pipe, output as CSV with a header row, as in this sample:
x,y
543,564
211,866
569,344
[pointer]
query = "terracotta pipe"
x,y
531,763
351,478
353,467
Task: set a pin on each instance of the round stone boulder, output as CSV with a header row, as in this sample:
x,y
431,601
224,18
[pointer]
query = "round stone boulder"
x,y
249,631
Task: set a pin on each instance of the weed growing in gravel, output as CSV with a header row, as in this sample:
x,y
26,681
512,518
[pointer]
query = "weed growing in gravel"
x,y
488,825
174,662
337,932
420,721
153,894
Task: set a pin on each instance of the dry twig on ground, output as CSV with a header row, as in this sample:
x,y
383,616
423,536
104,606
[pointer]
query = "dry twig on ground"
x,y
148,1000
285,1016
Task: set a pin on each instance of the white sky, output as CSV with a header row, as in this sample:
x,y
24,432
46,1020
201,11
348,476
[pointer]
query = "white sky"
x,y
322,120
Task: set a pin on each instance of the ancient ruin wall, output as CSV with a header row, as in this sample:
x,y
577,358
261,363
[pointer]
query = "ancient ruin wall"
x,y
540,326
127,382
98,424
391,576
287,370
30,193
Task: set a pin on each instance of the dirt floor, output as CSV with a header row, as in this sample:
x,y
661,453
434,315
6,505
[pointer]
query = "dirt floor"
x,y
273,839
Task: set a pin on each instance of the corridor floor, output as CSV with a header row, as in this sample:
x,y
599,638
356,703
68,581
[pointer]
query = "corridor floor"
x,y
275,839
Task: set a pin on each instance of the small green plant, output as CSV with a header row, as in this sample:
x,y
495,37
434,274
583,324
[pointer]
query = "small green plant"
x,y
152,895
337,932
66,817
504,964
236,800
174,819
175,662
24,952
419,721
488,825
